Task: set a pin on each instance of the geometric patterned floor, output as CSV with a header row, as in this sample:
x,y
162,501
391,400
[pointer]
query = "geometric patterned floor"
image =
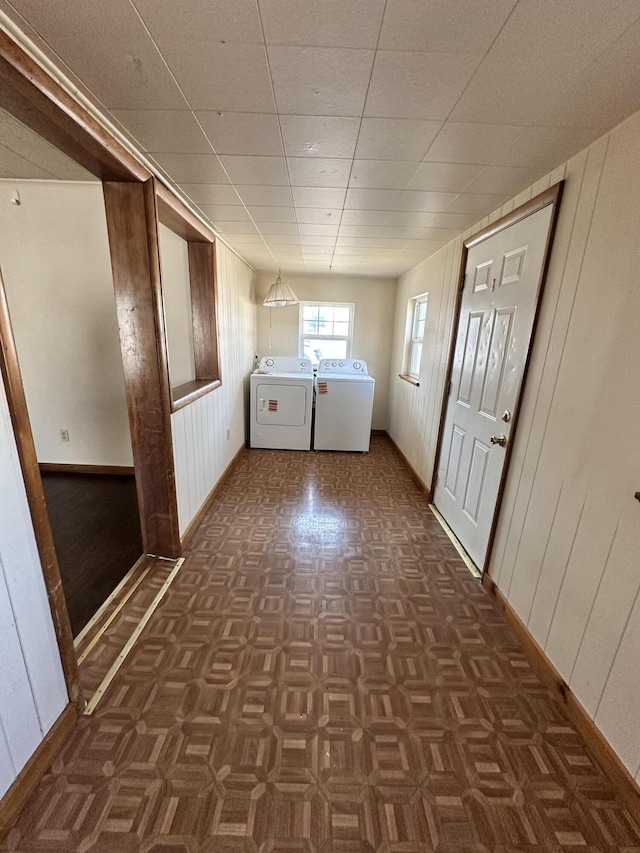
x,y
325,675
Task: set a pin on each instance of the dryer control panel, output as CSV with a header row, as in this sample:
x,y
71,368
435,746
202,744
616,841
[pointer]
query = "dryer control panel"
x,y
342,366
285,364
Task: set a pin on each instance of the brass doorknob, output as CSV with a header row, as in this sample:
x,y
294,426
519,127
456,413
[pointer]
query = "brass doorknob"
x,y
499,439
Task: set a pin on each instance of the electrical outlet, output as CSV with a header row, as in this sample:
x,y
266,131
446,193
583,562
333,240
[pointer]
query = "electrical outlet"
x,y
64,435
228,434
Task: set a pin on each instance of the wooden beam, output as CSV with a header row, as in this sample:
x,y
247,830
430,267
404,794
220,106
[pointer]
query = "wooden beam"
x,y
202,279
135,261
29,94
10,371
179,219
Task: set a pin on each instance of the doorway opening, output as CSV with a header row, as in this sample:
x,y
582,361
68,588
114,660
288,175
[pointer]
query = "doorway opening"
x,y
55,260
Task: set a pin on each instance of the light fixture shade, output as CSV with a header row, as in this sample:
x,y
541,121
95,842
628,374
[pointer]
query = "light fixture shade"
x,y
280,295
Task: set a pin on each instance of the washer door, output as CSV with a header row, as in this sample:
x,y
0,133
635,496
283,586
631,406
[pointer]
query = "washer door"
x,y
281,405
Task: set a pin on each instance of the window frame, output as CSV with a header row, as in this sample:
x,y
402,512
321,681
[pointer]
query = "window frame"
x,y
302,337
412,339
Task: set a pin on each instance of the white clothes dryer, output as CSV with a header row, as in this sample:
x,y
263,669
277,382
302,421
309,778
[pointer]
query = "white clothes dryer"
x,y
282,403
344,405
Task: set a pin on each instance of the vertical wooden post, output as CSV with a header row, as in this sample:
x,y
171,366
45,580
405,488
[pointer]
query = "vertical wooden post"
x,y
135,261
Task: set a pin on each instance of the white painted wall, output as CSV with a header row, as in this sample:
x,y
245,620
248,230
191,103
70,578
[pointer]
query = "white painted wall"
x,y
568,538
54,255
176,293
202,448
374,300
32,688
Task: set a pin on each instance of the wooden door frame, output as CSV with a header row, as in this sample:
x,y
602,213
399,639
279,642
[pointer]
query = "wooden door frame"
x,y
550,196
35,98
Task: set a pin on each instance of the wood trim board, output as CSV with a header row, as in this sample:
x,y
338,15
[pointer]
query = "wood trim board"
x,y
602,750
10,371
69,468
27,780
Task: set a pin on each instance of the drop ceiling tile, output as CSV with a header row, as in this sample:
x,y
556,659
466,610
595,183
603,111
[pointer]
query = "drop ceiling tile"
x,y
480,144
265,196
203,194
319,136
547,42
443,177
382,174
318,215
47,160
318,172
364,217
447,26
242,238
225,212
418,85
243,133
349,23
311,80
261,171
504,179
403,232
359,230
385,243
318,197
426,201
109,50
355,242
277,227
232,77
457,221
273,214
222,21
546,147
478,204
409,218
192,168
349,251
12,165
372,199
235,227
168,131
317,240
395,139
318,230
281,240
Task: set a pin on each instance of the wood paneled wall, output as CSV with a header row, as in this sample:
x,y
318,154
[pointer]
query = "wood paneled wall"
x,y
202,450
568,538
33,693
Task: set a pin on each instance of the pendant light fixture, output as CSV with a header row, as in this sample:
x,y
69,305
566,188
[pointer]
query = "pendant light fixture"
x,y
280,295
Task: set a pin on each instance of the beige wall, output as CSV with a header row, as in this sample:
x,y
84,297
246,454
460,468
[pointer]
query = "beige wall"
x,y
176,294
374,300
568,537
55,259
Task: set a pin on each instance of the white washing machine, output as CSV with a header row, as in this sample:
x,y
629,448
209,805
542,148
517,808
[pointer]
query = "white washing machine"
x,y
282,403
344,403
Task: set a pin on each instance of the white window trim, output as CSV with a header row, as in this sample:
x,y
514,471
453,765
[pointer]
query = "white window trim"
x,y
348,338
410,337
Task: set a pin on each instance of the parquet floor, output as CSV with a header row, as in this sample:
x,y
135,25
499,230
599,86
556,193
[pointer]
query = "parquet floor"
x,y
324,675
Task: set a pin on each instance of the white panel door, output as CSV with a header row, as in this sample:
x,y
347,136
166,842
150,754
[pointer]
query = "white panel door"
x,y
502,283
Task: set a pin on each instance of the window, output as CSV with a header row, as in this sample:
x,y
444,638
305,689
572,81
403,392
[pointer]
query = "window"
x,y
326,330
416,320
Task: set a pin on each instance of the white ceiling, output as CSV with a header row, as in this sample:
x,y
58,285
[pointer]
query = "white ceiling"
x,y
349,135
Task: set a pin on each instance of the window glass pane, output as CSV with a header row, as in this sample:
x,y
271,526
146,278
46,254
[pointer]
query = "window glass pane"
x,y
419,332
341,329
309,312
324,348
310,327
416,356
341,314
422,310
326,313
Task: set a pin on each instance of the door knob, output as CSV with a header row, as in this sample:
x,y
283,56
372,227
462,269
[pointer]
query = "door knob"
x,y
499,439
